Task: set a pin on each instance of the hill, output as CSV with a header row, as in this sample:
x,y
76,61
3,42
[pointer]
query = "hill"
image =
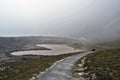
x,y
115,43
9,44
102,65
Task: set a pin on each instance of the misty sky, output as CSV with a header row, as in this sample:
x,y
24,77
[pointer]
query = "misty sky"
x,y
90,19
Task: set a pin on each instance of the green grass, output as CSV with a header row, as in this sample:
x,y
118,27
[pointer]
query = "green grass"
x,y
25,69
105,64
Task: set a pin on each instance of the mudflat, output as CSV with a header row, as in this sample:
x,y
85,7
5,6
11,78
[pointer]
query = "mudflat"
x,y
56,49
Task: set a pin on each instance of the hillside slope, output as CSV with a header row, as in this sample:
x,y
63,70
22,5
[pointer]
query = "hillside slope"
x,y
9,44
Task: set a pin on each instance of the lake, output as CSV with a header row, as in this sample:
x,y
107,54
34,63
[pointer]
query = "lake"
x,y
56,49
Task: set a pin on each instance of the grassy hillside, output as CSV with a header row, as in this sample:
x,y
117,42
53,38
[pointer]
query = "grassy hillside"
x,y
110,43
103,65
26,69
8,44
104,45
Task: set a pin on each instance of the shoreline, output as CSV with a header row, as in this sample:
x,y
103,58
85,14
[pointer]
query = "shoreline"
x,y
54,49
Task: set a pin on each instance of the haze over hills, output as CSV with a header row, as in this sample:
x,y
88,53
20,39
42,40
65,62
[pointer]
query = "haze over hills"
x,y
34,34
92,21
115,43
10,44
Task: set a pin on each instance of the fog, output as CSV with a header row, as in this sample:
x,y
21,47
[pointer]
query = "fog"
x,y
80,19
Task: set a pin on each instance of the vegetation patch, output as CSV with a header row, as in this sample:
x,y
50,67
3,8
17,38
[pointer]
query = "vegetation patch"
x,y
26,69
102,65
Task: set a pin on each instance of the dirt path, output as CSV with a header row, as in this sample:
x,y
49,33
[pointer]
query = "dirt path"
x,y
62,70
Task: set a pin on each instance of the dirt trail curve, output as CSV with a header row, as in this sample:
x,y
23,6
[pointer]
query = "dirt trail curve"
x,y
62,70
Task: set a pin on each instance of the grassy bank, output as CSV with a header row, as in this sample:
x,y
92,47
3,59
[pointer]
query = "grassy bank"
x,y
102,65
25,69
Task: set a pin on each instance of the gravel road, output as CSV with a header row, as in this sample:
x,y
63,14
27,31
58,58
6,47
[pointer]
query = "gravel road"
x,y
62,70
